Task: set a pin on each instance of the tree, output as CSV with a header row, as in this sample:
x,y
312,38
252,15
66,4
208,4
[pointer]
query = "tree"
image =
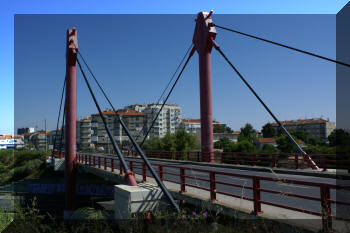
x,y
244,146
247,133
221,128
152,144
268,131
168,142
284,144
315,141
301,134
223,143
339,137
267,148
184,141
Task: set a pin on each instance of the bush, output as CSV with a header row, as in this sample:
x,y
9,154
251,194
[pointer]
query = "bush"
x,y
20,164
269,149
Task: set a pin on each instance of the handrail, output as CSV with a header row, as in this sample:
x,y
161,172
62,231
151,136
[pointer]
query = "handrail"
x,y
324,197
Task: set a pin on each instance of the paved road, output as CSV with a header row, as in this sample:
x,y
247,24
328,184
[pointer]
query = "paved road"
x,y
340,195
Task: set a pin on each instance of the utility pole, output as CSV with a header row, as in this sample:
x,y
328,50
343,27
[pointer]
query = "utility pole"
x,y
202,40
70,117
45,137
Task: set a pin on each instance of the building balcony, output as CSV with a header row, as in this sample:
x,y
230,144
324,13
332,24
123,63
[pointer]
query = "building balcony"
x,y
85,142
86,131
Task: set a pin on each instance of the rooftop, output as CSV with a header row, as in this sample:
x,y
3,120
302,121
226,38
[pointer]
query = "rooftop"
x,y
120,112
197,121
302,122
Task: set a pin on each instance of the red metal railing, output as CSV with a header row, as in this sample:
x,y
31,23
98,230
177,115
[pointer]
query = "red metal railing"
x,y
296,161
183,175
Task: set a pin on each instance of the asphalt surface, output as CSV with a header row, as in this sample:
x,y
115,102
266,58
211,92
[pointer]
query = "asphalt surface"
x,y
198,179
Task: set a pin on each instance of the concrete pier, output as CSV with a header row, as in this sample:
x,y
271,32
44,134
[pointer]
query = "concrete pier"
x,y
129,200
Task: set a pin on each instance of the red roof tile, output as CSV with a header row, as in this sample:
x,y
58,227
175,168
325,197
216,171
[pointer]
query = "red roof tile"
x,y
301,122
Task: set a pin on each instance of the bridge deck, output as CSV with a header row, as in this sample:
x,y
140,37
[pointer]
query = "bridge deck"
x,y
236,192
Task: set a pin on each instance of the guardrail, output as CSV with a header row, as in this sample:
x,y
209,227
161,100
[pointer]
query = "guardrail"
x,y
183,176
287,160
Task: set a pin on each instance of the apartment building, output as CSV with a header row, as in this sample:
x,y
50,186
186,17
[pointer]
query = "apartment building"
x,y
55,135
168,121
315,127
83,133
39,140
134,120
193,126
21,131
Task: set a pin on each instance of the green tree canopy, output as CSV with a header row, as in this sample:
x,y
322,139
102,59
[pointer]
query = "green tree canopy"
x,y
247,133
267,148
301,134
152,144
244,146
180,141
284,144
184,141
221,128
315,141
168,142
339,137
268,131
223,143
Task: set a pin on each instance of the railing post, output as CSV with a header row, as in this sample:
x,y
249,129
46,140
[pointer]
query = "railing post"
x,y
324,162
93,161
212,186
120,169
256,196
236,155
105,163
130,165
182,180
112,164
144,172
160,172
86,159
89,160
222,157
296,158
326,209
198,156
253,160
99,161
273,160
188,155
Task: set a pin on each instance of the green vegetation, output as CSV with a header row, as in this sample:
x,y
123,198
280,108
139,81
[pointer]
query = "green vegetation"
x,y
284,144
268,131
248,133
19,164
221,128
190,219
180,141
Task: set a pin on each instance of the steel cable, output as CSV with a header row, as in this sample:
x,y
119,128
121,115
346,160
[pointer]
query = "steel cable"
x,y
284,46
310,162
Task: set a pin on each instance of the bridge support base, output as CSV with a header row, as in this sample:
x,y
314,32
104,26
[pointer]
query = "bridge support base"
x,y
129,200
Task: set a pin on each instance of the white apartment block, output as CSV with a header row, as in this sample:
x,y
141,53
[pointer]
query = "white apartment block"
x,y
193,126
168,121
84,132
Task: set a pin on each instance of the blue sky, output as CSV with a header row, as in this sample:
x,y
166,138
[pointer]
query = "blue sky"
x,y
228,93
